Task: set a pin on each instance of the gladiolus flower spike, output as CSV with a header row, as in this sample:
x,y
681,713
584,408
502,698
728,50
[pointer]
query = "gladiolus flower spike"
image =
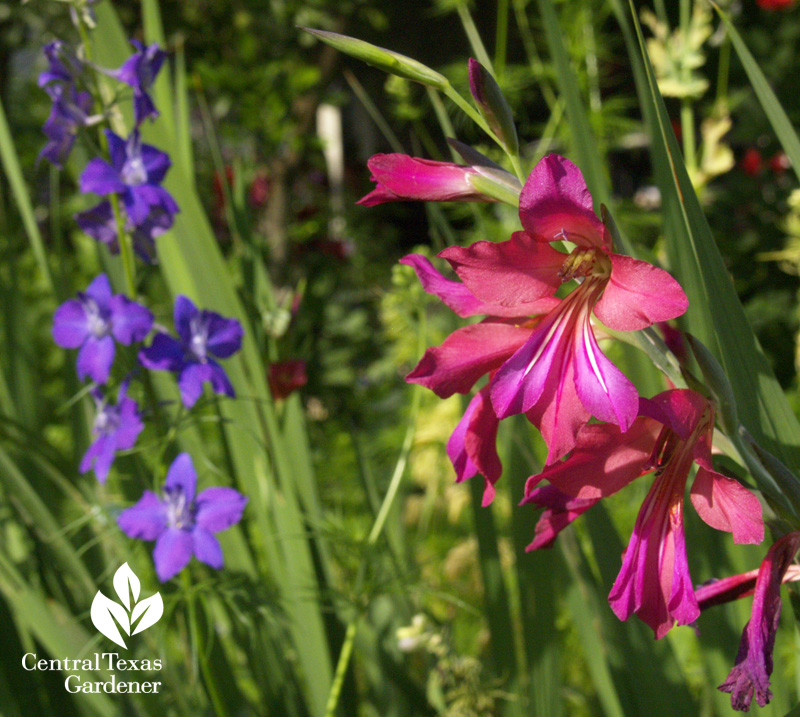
x,y
550,367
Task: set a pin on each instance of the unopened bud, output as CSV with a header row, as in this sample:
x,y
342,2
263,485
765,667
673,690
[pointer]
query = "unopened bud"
x,y
386,60
497,184
493,105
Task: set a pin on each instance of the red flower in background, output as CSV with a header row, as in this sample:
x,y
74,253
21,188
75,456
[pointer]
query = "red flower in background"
x,y
775,4
285,377
752,163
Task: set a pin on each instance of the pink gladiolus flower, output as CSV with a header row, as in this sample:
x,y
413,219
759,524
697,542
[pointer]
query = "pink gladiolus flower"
x,y
400,177
750,675
673,431
560,377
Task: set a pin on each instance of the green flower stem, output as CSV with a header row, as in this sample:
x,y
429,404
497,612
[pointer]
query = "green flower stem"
x,y
341,668
123,238
473,114
125,249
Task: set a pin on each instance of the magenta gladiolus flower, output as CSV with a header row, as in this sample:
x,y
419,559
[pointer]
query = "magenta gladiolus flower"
x,y
400,177
560,377
750,675
673,431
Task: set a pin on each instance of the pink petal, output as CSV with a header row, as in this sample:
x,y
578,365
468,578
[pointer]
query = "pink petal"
x,y
472,447
559,414
639,294
725,504
561,511
520,381
422,179
461,300
604,461
513,273
603,389
466,355
556,204
654,580
681,409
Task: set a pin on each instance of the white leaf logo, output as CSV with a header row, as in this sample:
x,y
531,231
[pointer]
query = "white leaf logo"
x,y
125,583
108,616
151,609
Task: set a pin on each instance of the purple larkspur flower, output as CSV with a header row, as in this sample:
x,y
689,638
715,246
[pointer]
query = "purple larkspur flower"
x,y
70,112
139,71
202,334
181,523
100,224
92,321
116,428
135,173
63,65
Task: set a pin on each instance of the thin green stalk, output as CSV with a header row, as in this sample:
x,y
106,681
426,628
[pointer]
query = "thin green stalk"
x,y
125,249
722,74
194,630
373,111
474,37
501,39
341,669
535,60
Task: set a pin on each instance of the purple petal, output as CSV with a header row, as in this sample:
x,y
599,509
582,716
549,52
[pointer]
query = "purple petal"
x,y
184,312
207,548
70,324
172,553
219,508
101,178
130,424
164,354
106,453
145,520
95,359
181,474
94,450
156,163
100,290
224,335
100,224
193,376
220,381
130,321
654,581
520,381
143,107
118,150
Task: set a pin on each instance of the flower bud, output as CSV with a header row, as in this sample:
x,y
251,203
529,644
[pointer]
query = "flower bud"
x,y
386,60
493,106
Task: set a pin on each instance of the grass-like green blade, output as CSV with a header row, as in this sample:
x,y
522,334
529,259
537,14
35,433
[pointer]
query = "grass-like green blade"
x,y
715,313
13,170
36,514
772,107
